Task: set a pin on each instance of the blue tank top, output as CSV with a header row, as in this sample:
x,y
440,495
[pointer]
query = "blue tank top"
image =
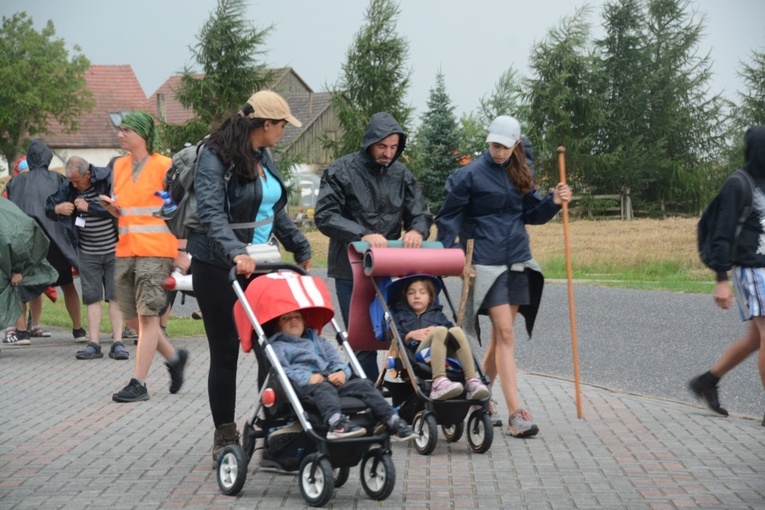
x,y
272,192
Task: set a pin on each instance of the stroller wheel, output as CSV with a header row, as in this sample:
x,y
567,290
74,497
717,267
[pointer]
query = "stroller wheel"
x,y
425,425
480,431
341,475
232,470
316,487
378,474
453,433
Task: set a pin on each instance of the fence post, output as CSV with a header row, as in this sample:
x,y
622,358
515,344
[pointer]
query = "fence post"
x,y
626,204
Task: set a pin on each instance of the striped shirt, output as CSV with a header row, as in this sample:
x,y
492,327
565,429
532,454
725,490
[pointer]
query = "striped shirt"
x,y
98,236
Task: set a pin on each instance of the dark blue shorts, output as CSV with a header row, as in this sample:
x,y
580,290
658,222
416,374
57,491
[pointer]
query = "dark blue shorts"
x,y
511,287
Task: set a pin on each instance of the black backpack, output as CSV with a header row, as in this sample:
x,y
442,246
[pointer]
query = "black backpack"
x,y
179,184
705,229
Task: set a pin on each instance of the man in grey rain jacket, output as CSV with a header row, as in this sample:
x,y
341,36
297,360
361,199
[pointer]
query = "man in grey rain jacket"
x,y
369,196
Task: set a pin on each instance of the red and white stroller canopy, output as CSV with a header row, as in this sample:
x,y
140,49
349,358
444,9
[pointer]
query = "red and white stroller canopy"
x,y
275,294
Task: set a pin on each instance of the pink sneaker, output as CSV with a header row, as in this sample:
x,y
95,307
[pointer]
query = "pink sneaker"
x,y
445,388
476,390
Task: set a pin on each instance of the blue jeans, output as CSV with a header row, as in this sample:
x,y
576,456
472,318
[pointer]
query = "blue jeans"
x,y
367,359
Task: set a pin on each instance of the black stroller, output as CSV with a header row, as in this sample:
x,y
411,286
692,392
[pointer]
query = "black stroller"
x,y
291,428
410,389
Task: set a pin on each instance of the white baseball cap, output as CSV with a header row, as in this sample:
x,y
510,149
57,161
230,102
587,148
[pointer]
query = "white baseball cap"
x,y
504,130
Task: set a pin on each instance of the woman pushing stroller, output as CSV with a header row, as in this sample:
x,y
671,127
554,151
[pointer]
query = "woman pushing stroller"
x,y
422,324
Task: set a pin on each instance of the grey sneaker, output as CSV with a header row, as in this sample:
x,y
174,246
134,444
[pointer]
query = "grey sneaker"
x,y
522,424
345,428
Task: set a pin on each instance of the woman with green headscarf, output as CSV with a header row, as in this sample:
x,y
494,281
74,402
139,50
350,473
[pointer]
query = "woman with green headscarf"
x,y
146,250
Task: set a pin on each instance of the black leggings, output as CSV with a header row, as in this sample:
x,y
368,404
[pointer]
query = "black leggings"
x,y
216,299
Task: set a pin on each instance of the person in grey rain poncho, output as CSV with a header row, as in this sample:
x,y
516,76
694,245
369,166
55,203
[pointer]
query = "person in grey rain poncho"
x,y
30,191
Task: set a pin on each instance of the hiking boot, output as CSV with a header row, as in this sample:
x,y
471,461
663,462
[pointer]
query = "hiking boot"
x,y
401,431
476,390
133,392
38,332
80,336
225,435
197,315
344,428
444,388
706,390
17,338
521,424
118,351
176,370
91,351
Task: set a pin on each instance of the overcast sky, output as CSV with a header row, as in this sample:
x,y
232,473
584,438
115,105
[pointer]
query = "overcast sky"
x,y
472,41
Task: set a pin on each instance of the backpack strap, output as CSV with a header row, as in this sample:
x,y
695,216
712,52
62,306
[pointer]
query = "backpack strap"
x,y
747,186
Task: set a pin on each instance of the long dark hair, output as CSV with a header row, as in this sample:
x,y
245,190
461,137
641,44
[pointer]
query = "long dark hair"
x,y
518,169
231,142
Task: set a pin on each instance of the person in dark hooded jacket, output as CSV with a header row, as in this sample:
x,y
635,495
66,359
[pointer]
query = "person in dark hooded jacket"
x,y
748,271
369,196
30,191
491,200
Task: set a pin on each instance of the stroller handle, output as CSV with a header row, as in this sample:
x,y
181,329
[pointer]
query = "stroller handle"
x,y
268,267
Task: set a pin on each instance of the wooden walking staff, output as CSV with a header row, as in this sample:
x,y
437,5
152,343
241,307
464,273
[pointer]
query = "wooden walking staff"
x,y
569,274
465,282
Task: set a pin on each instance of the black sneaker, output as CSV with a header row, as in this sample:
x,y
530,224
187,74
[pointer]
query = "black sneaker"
x,y
133,392
401,431
80,336
707,393
344,429
176,370
17,337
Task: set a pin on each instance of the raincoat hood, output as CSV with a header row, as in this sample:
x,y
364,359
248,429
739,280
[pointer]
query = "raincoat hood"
x,y
39,155
380,127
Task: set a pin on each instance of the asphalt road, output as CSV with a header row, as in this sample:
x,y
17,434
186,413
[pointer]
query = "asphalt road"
x,y
636,341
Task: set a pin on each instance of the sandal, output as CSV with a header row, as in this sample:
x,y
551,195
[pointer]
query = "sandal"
x,y
118,351
91,351
38,332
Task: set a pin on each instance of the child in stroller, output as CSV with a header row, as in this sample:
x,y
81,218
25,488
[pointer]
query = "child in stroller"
x,y
429,333
314,365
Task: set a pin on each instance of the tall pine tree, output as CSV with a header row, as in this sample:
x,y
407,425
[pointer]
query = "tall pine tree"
x,y
229,72
375,77
438,142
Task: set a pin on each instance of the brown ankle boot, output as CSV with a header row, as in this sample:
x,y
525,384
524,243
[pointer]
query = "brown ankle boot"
x,y
224,435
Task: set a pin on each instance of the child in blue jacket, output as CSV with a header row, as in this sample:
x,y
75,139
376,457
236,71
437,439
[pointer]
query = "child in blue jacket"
x,y
312,363
423,325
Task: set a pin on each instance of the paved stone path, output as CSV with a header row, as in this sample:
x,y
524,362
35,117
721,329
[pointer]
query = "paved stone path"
x,y
65,444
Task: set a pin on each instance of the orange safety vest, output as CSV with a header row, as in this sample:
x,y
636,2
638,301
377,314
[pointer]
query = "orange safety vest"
x,y
140,233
